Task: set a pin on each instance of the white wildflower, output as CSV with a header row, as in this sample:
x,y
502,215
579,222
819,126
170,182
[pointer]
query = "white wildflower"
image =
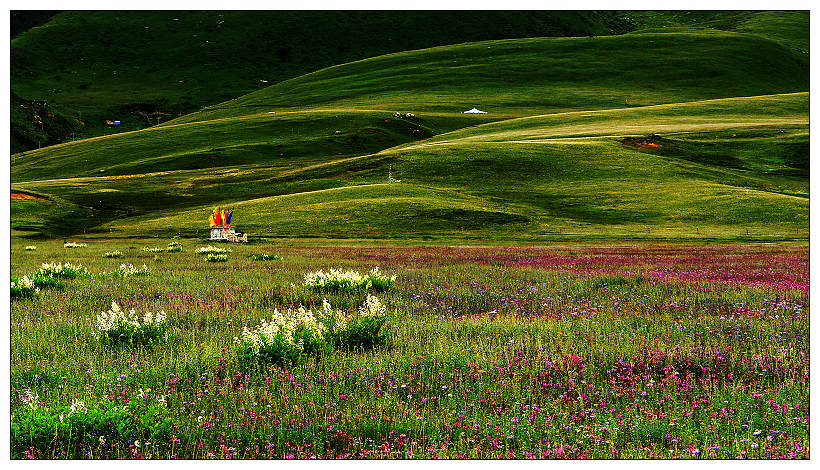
x,y
211,250
30,399
77,406
372,307
74,245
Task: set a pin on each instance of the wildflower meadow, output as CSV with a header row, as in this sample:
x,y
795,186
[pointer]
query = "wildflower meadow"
x,y
691,352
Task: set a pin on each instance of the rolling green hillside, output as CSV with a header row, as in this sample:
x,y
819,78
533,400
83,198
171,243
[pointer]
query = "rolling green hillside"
x,y
535,76
682,134
556,175
786,27
332,112
145,67
706,179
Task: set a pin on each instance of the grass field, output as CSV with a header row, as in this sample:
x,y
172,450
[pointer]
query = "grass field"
x,y
561,352
720,169
145,67
611,263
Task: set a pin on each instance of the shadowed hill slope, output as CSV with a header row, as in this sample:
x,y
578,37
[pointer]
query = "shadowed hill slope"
x,y
541,75
144,67
680,134
340,111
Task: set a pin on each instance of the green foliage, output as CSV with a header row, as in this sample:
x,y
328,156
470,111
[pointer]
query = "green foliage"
x,y
113,254
115,327
216,258
174,247
23,288
95,431
381,283
265,257
44,282
279,351
144,335
363,334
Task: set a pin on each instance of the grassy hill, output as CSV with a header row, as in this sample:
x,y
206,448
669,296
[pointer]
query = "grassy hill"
x,y
346,110
145,67
689,134
556,175
529,76
786,27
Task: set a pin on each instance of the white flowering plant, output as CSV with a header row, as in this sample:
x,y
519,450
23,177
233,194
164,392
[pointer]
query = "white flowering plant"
x,y
205,250
30,248
216,258
285,339
157,249
113,254
31,399
296,334
116,327
174,247
23,288
74,245
61,271
265,257
339,281
130,270
364,329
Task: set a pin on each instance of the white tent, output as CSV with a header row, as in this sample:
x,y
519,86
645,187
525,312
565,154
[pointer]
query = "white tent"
x,y
475,111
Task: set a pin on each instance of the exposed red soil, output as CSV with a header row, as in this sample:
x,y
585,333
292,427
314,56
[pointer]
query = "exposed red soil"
x,y
641,143
16,195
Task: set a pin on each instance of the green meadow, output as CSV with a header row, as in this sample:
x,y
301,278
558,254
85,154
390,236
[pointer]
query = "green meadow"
x,y
490,352
611,263
557,156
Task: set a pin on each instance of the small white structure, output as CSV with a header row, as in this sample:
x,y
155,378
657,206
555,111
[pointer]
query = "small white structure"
x,y
221,233
474,111
227,234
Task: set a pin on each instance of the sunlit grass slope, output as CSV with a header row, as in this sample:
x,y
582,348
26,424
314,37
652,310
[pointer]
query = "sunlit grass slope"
x,y
529,76
511,78
262,138
783,110
722,170
709,178
97,65
786,27
302,157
